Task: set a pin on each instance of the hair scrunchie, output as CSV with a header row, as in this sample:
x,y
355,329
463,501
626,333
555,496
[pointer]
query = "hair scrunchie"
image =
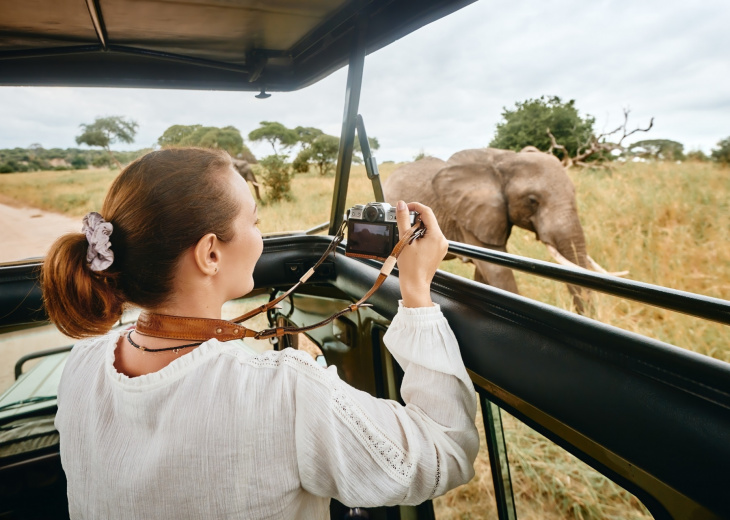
x,y
97,231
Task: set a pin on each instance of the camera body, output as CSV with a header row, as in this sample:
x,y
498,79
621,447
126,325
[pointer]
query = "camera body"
x,y
372,230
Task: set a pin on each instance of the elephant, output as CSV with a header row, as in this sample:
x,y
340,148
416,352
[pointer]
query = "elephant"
x,y
244,168
478,195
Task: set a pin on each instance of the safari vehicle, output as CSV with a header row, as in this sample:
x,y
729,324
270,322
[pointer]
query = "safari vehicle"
x,y
653,418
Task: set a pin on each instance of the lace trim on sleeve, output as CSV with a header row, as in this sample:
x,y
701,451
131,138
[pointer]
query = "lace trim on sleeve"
x,y
438,476
385,452
388,455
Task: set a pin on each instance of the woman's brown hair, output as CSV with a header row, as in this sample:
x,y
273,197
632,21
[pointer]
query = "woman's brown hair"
x,y
160,206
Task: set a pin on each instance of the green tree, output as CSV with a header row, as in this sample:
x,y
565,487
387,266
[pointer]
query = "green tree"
x,y
322,151
721,154
275,134
661,149
528,123
277,177
105,131
307,134
227,138
175,134
374,145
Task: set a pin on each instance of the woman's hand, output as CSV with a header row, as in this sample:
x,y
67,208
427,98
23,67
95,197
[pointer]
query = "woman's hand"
x,y
418,262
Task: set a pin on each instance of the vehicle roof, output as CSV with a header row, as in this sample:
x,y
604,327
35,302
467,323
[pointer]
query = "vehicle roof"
x,y
281,45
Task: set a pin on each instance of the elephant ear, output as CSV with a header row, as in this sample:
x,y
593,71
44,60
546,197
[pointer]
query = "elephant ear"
x,y
471,202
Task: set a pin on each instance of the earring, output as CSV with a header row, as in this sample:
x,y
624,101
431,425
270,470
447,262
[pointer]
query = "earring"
x,y
216,269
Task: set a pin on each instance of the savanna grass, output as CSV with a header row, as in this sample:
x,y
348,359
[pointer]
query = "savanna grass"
x,y
72,193
668,224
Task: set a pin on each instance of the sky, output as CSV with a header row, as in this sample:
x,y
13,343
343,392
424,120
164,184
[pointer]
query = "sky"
x,y
443,88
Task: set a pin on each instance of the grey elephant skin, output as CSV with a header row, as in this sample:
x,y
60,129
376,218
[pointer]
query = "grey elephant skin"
x,y
478,195
244,168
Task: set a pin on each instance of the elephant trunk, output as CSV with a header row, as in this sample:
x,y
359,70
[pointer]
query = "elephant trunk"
x,y
568,240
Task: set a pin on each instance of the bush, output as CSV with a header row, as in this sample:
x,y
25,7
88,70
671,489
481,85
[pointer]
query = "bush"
x,y
79,163
6,168
101,161
277,177
697,155
528,122
721,154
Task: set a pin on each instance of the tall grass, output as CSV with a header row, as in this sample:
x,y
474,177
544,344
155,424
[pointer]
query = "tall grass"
x,y
74,192
668,224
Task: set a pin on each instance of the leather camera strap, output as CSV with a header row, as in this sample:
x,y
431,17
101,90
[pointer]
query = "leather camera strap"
x,y
203,329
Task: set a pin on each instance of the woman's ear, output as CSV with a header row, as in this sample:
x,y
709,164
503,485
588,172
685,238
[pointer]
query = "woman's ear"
x,y
207,254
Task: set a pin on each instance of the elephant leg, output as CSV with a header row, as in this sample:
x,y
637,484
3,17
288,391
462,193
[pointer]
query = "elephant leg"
x,y
495,275
582,301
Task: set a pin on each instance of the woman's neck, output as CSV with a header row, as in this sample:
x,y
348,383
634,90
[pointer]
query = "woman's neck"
x,y
193,304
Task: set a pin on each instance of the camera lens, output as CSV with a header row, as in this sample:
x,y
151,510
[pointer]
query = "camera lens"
x,y
371,214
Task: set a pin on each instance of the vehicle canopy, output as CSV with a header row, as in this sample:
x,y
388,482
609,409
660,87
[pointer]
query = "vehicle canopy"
x,y
279,45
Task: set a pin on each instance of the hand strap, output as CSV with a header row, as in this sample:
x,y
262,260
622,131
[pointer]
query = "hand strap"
x,y
203,329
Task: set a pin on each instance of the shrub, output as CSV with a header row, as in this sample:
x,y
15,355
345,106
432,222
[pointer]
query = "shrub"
x,y
277,177
697,155
79,163
528,122
721,154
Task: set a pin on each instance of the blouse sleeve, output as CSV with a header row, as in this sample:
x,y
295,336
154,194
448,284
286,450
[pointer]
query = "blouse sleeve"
x,y
368,452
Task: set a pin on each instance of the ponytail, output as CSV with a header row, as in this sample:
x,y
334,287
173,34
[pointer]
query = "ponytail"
x,y
156,209
81,302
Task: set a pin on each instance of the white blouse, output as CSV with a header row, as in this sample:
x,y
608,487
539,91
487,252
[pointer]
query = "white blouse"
x,y
223,432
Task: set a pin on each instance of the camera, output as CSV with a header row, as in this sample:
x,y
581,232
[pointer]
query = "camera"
x,y
372,230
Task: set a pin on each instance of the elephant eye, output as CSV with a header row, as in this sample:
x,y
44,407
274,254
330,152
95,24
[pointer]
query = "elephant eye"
x,y
533,200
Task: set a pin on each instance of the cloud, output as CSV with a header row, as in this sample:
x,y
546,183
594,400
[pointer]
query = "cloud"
x,y
443,87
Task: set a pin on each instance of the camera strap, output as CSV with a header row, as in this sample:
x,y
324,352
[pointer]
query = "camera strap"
x,y
203,329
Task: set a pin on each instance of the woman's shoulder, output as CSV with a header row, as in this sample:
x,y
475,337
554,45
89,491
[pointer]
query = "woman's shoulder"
x,y
97,345
288,359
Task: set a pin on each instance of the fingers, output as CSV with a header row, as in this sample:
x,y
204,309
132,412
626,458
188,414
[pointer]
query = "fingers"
x,y
402,217
427,216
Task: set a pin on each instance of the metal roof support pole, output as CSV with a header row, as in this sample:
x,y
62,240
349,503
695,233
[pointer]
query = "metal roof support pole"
x,y
347,136
498,460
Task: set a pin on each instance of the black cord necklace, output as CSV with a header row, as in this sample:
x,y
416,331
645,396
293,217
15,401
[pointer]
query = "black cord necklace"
x,y
145,349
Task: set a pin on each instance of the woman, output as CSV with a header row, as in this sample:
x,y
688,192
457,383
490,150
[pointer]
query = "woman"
x,y
152,427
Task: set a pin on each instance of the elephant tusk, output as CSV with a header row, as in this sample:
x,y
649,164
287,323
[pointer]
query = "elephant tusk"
x,y
560,258
597,267
594,265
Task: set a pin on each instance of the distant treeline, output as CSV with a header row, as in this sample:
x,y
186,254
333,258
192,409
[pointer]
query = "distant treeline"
x,y
36,158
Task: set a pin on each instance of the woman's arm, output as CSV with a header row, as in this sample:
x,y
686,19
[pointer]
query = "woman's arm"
x,y
368,452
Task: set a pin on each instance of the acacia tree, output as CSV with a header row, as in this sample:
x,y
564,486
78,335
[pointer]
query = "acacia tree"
x,y
105,131
307,134
322,150
661,149
227,138
275,134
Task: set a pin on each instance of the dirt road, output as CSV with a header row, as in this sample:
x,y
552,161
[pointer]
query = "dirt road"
x,y
29,232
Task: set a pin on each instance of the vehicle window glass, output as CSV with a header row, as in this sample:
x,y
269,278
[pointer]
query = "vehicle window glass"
x,y
550,483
